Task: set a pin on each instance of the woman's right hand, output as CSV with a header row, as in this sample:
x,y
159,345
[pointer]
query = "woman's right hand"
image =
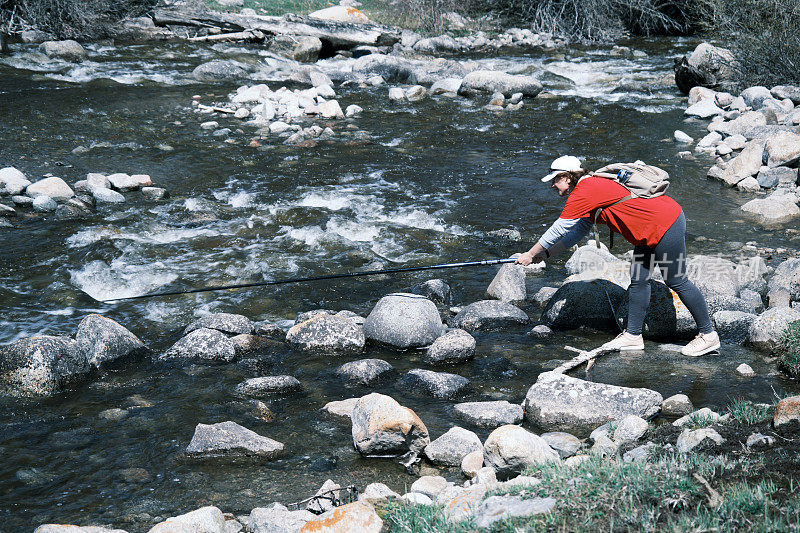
x,y
524,259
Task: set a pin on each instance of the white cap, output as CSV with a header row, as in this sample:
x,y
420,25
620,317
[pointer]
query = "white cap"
x,y
565,163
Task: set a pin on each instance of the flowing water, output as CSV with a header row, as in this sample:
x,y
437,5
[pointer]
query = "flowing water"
x,y
406,184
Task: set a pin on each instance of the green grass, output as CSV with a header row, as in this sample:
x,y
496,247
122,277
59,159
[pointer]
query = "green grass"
x,y
421,519
698,421
790,350
746,412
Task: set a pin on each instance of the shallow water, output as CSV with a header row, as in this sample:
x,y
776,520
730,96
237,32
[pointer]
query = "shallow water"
x,y
412,184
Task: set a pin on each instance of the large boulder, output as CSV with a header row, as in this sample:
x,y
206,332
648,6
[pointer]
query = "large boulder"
x,y
391,68
219,70
228,323
365,371
783,150
203,520
492,81
508,285
105,341
590,262
437,384
208,345
277,519
303,48
733,326
451,448
53,187
561,403
772,211
403,320
713,275
784,285
511,449
229,440
381,426
667,317
341,13
740,125
439,69
490,414
68,50
354,517
12,181
489,315
766,331
584,303
707,66
328,334
455,346
41,366
745,165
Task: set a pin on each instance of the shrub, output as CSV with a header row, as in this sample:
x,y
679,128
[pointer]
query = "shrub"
x,y
790,350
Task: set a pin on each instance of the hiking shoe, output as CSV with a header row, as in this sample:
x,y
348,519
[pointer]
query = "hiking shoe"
x,y
623,342
702,344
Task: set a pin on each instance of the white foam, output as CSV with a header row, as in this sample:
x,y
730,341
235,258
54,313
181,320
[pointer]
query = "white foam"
x,y
241,199
353,231
120,280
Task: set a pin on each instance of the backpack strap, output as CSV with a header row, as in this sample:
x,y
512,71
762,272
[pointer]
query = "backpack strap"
x,y
597,216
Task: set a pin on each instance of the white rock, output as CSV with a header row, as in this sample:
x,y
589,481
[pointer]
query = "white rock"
x,y
416,498
745,370
44,204
630,429
210,125
107,196
396,94
54,187
682,137
353,110
331,109
510,449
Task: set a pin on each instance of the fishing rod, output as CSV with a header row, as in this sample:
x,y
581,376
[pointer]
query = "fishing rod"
x,y
487,262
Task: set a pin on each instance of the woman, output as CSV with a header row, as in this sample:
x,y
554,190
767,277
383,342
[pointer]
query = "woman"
x,y
655,226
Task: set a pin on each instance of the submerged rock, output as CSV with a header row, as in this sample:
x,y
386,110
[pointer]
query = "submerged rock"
x,y
229,440
327,334
511,449
451,448
104,341
489,415
228,323
489,315
203,344
41,366
403,320
562,403
365,371
381,427
436,384
455,346
267,385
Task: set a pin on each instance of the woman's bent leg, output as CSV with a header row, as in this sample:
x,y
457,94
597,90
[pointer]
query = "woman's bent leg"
x,y
671,257
639,289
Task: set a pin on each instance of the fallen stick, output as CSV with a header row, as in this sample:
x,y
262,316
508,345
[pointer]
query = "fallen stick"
x,y
249,35
584,357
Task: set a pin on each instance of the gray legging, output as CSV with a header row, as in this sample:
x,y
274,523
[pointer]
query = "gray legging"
x,y
670,256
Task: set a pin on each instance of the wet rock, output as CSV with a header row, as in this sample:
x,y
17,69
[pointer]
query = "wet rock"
x,y
682,137
277,519
41,366
733,326
787,411
430,486
455,346
416,93
630,429
391,68
446,86
205,519
248,344
511,449
219,70
782,150
203,344
68,50
565,444
707,66
745,370
489,315
543,296
342,408
107,196
540,332
451,448
7,212
327,334
228,323
472,463
229,440
403,320
381,426
365,371
584,303
376,492
104,341
155,193
437,384
560,402
44,204
267,385
353,111
123,182
22,201
357,516
436,290
331,109
13,181
493,81
396,94
114,414
766,331
509,284
134,475
489,415
269,330
784,285
689,440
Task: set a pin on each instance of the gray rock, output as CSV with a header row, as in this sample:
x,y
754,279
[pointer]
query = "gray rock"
x,y
511,450
540,332
155,193
123,182
446,85
301,48
565,444
707,66
228,323
500,82
391,68
107,196
451,448
766,331
324,500
741,125
203,344
604,447
769,178
757,440
689,440
489,415
62,528
205,520
755,96
792,92
489,315
54,187
705,108
436,384
472,463
13,181
745,165
733,326
771,212
559,402
584,303
327,334
713,275
41,366
44,204
342,408
677,405
638,454
455,346
365,371
404,321
229,440
308,315
543,296
74,208
381,427
763,133
267,385
277,519
105,341
219,70
68,50
375,492
22,201
749,184
630,429
753,300
436,290
784,285
437,45
509,284
430,486
782,150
